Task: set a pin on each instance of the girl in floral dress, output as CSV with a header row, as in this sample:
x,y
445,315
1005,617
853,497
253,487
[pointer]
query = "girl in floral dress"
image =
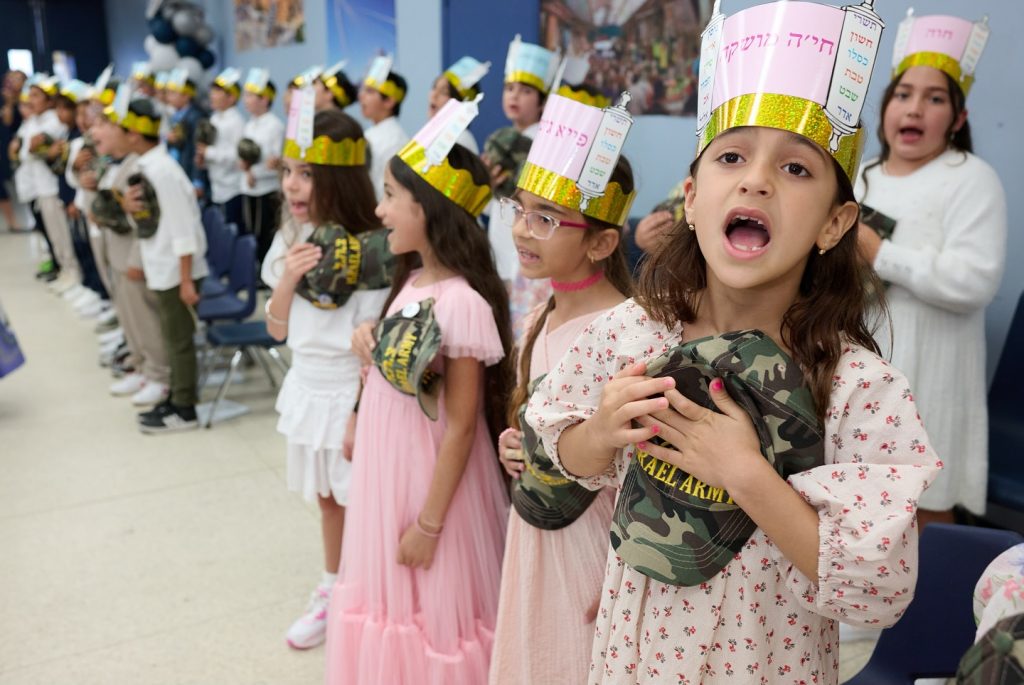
x,y
766,246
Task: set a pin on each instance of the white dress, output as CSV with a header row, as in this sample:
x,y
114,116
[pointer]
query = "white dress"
x,y
321,387
944,263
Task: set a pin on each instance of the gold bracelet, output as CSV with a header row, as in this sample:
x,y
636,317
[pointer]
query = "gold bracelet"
x,y
270,317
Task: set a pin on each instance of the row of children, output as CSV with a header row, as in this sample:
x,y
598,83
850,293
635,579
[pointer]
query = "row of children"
x,y
727,420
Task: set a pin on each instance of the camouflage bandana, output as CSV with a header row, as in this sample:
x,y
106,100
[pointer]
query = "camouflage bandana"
x,y
249,151
349,263
407,343
147,219
676,529
997,658
542,495
507,148
206,132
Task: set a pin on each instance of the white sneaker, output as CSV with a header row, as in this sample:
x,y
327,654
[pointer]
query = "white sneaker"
x,y
116,334
111,345
63,284
129,385
311,628
108,317
90,310
81,297
151,393
72,292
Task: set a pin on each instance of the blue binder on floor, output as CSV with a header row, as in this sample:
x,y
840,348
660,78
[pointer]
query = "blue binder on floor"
x,y
11,356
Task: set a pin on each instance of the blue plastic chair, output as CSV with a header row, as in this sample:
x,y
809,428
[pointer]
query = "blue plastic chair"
x,y
249,338
938,626
1006,422
220,242
241,279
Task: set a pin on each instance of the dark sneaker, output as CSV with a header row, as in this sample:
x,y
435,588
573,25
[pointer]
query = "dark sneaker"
x,y
168,418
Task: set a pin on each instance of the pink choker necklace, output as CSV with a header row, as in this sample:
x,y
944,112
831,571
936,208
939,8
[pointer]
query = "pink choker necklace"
x,y
577,285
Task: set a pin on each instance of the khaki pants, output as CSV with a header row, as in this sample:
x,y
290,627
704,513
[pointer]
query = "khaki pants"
x,y
55,223
137,311
178,325
99,254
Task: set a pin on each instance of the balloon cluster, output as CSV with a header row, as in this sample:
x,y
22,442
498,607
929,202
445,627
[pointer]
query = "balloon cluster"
x,y
178,37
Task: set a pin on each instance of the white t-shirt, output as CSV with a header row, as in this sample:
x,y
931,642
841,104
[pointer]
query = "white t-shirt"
x,y
180,231
33,178
267,131
222,156
313,331
506,258
386,139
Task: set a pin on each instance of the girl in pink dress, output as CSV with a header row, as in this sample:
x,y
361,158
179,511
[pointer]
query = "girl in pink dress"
x,y
722,569
417,594
558,531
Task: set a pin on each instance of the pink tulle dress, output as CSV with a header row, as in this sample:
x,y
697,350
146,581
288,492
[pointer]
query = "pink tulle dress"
x,y
389,623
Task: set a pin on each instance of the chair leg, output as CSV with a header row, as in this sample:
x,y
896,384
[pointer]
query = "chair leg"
x,y
254,352
235,359
276,356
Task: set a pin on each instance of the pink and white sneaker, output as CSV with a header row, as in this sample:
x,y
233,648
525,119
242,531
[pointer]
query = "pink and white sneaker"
x,y
310,629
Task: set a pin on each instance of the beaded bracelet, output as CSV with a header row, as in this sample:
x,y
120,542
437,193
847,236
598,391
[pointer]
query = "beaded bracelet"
x,y
270,317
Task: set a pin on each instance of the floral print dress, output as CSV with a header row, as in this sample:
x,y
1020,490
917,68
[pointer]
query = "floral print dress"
x,y
760,620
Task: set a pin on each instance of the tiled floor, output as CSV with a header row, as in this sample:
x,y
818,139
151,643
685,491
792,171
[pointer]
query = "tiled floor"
x,y
138,559
144,559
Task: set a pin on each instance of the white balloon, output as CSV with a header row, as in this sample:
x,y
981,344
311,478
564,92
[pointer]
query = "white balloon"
x,y
149,44
186,21
152,8
162,57
203,35
193,67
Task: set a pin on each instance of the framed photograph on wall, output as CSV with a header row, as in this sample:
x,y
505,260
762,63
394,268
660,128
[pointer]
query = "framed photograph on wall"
x,y
261,24
649,47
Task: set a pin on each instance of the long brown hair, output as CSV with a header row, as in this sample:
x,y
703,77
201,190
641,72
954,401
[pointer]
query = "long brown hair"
x,y
615,270
830,310
461,245
958,140
342,194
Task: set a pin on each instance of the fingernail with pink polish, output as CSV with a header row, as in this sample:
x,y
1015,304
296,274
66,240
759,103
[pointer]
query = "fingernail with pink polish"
x,y
655,429
716,384
642,445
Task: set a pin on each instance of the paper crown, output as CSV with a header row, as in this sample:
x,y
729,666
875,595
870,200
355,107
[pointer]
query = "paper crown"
x,y
339,85
228,79
142,71
427,155
950,44
178,82
308,76
530,64
802,67
160,80
573,156
120,114
569,82
44,82
378,78
258,83
465,74
117,110
101,90
75,90
300,144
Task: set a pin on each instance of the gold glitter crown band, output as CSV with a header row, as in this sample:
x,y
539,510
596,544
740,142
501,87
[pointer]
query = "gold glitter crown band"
x,y
265,92
582,96
387,88
786,113
527,78
327,152
612,207
140,124
227,87
339,93
183,88
455,184
464,93
937,60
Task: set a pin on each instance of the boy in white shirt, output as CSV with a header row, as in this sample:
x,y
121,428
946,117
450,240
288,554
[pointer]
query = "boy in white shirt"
x,y
220,159
381,101
261,182
173,259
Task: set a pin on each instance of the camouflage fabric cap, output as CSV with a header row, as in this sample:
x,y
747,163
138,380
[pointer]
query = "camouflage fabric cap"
x,y
349,263
997,658
674,528
674,203
542,495
508,148
42,149
146,219
106,209
206,132
249,151
407,343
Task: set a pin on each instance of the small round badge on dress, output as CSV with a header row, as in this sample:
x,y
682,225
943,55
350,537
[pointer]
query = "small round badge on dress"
x,y
324,299
410,310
